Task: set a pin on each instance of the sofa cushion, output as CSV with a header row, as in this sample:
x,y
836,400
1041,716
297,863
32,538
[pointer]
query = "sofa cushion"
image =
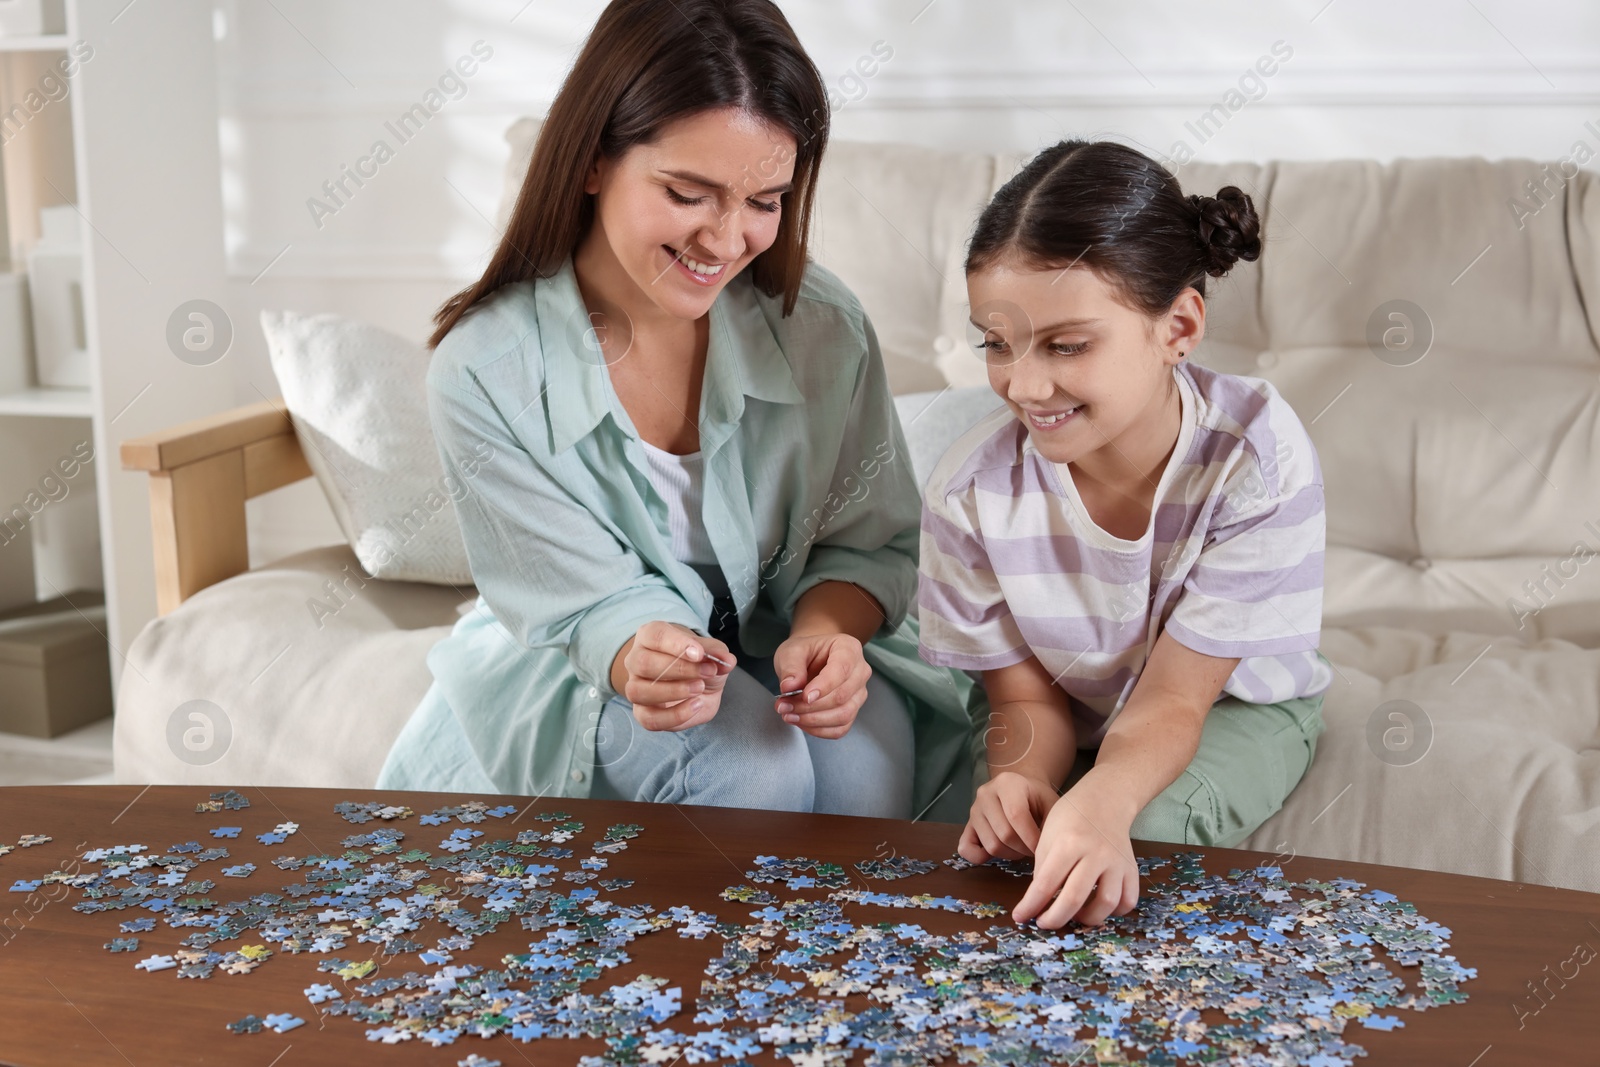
x,y
358,398
1345,236
1506,787
1457,488
893,223
312,668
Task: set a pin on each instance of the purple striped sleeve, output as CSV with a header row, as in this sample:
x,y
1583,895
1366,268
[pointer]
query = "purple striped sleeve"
x,y
941,599
1210,646
968,662
1273,555
957,585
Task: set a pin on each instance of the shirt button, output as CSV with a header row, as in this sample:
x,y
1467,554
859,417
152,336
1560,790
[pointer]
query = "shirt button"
x,y
577,776
1267,359
1422,563
593,692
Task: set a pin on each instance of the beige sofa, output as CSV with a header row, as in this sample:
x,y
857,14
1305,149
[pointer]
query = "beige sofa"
x,y
1460,445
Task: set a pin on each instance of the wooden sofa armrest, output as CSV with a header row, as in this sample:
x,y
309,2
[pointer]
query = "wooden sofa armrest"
x,y
201,473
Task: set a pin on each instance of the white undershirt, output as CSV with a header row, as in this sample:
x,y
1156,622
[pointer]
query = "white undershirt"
x,y
681,482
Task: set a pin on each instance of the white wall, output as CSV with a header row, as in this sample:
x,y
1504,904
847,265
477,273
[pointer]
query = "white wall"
x,y
307,85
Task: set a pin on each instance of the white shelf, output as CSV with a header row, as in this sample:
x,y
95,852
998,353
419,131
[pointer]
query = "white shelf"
x,y
48,403
46,43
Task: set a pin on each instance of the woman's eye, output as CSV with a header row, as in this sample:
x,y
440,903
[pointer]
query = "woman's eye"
x,y
993,348
1069,350
679,198
767,206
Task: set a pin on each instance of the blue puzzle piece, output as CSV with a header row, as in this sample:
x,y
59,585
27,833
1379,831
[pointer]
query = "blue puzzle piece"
x,y
317,993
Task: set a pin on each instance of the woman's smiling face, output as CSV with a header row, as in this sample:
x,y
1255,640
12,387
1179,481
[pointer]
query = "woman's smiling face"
x,y
1076,365
683,215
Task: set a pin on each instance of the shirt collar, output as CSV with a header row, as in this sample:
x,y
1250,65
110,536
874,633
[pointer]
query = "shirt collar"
x,y
743,358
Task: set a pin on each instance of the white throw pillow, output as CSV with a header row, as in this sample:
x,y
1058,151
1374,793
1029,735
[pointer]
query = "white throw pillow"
x,y
357,396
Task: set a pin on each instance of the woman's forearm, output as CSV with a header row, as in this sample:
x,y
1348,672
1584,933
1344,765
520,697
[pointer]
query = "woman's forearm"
x,y
837,608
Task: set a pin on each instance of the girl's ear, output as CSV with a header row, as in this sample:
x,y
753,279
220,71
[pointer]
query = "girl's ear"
x,y
1183,326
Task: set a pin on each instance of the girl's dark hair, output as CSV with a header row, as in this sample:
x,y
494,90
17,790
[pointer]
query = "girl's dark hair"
x,y
1117,211
646,64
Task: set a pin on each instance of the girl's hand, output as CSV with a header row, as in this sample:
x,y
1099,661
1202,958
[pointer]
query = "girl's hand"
x,y
672,683
1083,845
833,672
1005,818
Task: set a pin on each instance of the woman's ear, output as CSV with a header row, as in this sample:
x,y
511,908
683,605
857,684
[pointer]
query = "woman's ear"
x,y
591,182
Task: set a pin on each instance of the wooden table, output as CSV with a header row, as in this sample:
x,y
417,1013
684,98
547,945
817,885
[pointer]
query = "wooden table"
x,y
65,1000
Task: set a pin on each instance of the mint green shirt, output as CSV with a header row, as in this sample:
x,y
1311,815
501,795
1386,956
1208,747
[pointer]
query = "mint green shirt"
x,y
807,480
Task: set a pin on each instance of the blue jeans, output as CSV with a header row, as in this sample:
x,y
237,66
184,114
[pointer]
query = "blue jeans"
x,y
748,757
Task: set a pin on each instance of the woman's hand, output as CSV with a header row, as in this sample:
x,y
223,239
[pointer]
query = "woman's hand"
x,y
832,671
671,681
1084,861
1005,818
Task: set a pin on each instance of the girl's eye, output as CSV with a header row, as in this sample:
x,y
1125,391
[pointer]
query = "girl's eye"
x,y
992,349
767,206
678,198
1069,350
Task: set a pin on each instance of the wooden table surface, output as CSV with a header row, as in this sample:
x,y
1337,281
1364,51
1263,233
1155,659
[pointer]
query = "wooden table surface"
x,y
64,999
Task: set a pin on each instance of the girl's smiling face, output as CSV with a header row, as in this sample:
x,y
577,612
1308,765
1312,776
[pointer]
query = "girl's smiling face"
x,y
681,216
1078,367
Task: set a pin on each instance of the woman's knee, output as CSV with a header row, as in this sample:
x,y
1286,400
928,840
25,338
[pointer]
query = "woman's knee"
x,y
753,758
746,756
766,769
870,770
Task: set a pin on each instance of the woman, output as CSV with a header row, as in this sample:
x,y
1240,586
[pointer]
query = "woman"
x,y
698,496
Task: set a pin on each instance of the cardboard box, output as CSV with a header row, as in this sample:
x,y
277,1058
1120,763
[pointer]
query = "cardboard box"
x,y
55,666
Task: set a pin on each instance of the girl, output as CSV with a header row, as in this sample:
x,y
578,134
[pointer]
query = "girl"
x,y
695,540
1128,539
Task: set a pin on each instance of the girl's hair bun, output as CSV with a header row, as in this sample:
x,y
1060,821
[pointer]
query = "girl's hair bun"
x,y
1112,209
1228,229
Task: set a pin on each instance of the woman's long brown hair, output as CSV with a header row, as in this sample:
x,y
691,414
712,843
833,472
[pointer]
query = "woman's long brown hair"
x,y
647,63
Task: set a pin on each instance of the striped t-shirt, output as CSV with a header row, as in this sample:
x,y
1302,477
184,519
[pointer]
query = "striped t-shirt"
x,y
1230,563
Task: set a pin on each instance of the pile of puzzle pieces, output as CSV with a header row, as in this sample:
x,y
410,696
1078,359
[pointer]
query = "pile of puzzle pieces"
x,y
817,969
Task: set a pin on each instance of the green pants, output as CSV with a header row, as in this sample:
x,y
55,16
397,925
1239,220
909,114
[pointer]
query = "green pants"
x,y
1250,758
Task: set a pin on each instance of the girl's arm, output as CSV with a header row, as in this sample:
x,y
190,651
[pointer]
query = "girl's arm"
x,y
1030,743
1153,738
1030,724
1084,865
